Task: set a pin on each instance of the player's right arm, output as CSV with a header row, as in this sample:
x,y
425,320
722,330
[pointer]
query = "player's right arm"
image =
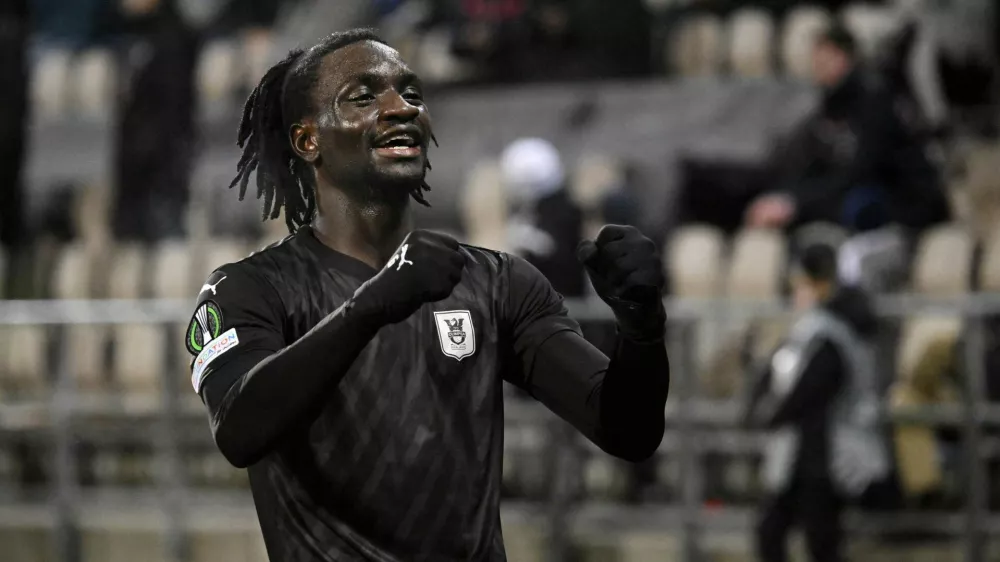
x,y
255,386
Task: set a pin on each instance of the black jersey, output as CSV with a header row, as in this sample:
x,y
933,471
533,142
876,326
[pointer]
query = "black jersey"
x,y
401,458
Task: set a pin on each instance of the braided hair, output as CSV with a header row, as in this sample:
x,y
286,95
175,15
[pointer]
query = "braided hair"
x,y
280,99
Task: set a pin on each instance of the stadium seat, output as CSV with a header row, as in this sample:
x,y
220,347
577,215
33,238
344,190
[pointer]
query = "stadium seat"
x,y
23,360
942,264
989,269
801,28
87,344
870,24
694,262
483,207
214,255
126,274
758,260
751,38
925,359
50,84
217,71
696,49
94,77
173,272
980,190
139,358
91,215
72,274
595,176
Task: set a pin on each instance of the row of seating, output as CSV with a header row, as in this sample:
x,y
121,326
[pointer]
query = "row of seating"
x,y
700,261
746,43
750,41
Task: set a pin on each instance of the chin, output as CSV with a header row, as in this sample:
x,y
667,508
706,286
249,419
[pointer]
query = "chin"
x,y
400,173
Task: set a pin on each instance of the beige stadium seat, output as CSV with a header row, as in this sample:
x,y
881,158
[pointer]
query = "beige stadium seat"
x,y
50,84
870,25
695,262
801,28
918,335
751,39
989,271
217,71
696,49
758,260
595,176
173,271
483,207
215,255
942,265
71,275
126,274
23,365
94,77
980,190
139,358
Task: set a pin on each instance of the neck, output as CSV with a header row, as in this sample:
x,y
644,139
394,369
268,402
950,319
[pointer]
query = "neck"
x,y
369,231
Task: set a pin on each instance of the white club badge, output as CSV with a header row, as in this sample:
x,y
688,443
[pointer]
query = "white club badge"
x,y
456,333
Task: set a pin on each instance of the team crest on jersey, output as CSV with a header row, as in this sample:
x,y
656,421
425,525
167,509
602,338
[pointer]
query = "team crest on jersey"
x,y
205,326
456,333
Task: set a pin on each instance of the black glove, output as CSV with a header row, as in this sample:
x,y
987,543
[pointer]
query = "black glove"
x,y
627,273
425,268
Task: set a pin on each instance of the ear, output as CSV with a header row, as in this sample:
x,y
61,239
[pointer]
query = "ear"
x,y
303,136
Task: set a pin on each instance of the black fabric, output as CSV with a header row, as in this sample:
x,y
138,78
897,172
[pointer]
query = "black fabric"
x,y
807,408
559,217
13,120
812,503
371,443
155,136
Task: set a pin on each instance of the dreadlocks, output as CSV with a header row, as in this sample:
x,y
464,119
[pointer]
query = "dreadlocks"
x,y
280,99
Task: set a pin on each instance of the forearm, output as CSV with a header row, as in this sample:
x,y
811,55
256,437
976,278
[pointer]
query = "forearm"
x,y
633,394
289,387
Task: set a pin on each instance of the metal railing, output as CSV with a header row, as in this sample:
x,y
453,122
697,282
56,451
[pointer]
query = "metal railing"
x,y
695,426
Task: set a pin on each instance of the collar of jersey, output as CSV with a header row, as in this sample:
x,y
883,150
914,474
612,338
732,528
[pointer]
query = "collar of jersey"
x,y
334,259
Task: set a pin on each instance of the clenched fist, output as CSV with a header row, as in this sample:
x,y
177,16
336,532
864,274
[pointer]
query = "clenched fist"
x,y
627,273
425,268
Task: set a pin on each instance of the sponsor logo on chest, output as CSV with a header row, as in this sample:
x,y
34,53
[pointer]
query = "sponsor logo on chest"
x,y
456,333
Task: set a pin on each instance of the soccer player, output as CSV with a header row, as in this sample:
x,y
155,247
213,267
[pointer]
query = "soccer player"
x,y
356,367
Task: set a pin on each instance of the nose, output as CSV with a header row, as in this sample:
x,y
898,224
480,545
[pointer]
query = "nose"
x,y
395,108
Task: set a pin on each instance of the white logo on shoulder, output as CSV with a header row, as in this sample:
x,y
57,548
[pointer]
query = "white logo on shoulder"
x,y
456,333
401,257
211,352
208,287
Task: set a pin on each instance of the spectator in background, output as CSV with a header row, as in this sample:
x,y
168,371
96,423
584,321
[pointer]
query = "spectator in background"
x,y
825,440
155,139
546,225
13,128
854,162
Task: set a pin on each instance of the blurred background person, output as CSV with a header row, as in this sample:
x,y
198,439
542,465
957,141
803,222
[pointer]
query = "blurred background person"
x,y
822,411
156,134
13,130
545,224
853,162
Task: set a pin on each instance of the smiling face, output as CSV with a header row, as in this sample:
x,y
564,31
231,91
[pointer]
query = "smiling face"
x,y
370,129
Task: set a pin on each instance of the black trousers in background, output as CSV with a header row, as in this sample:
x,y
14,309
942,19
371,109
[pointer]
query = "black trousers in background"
x,y
813,504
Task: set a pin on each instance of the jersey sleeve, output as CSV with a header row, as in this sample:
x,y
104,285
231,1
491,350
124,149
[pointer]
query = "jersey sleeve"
x,y
237,322
535,312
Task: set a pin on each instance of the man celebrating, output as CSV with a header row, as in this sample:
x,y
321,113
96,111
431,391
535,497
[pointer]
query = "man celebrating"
x,y
356,367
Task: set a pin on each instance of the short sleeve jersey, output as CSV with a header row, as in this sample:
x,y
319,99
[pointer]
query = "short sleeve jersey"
x,y
404,461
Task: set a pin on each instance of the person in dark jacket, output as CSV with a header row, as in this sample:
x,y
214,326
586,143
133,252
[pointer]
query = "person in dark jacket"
x,y
546,224
821,413
855,161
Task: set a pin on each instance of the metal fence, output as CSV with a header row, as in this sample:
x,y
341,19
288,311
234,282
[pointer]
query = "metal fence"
x,y
696,427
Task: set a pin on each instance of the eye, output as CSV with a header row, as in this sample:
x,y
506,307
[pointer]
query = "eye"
x,y
362,97
413,95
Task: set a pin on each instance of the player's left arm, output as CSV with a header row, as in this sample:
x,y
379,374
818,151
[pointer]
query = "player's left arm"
x,y
617,402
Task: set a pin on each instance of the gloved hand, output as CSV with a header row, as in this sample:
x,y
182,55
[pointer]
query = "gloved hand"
x,y
425,268
627,274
